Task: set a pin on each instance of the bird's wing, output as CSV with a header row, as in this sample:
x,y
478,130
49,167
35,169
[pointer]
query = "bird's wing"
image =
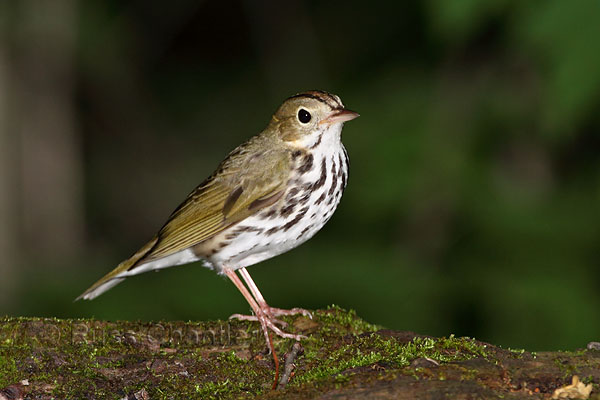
x,y
222,200
236,191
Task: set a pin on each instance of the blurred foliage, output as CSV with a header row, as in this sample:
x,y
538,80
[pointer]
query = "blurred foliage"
x,y
472,205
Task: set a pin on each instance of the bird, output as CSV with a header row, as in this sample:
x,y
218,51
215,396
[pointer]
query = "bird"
x,y
268,196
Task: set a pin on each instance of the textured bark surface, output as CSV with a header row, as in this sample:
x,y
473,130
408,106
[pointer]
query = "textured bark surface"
x,y
343,358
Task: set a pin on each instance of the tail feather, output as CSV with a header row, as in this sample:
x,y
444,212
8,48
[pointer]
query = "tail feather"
x,y
118,274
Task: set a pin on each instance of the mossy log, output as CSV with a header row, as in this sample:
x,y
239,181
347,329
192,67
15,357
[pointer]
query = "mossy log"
x,y
343,357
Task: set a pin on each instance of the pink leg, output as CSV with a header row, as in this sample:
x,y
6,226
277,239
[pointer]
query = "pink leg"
x,y
272,311
266,321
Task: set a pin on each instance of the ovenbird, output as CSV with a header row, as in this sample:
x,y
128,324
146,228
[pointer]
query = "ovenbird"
x,y
270,194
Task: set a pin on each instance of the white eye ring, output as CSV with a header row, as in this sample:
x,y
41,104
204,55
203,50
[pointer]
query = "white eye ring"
x,y
303,115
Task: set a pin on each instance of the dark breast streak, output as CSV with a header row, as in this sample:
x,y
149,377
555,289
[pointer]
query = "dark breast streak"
x,y
321,181
296,202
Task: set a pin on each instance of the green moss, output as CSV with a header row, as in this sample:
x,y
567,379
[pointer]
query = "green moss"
x,y
96,359
8,370
231,358
517,352
567,369
370,349
335,320
211,390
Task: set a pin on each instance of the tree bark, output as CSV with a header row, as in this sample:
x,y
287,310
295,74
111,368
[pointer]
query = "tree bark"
x,y
343,358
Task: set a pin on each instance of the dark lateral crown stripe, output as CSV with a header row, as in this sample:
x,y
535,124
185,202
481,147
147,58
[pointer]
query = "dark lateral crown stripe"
x,y
321,96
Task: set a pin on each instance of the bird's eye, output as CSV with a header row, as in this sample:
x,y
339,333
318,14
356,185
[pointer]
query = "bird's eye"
x,y
304,116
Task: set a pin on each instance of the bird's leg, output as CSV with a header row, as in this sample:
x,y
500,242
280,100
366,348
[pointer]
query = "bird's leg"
x,y
272,311
266,321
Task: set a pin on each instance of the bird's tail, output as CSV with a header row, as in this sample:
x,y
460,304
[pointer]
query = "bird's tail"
x,y
118,274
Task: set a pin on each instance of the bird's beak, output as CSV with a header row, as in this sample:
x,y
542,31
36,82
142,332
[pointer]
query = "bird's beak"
x,y
339,116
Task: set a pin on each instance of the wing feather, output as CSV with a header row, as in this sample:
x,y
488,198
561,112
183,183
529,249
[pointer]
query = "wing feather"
x,y
221,201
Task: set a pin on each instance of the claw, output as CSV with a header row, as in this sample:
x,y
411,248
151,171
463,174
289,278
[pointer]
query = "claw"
x,y
279,311
243,317
266,317
263,313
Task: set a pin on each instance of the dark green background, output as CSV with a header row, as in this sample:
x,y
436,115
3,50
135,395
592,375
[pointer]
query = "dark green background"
x,y
473,200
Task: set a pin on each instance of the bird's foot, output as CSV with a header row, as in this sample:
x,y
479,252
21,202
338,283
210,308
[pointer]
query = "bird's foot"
x,y
272,313
276,312
266,315
243,317
266,322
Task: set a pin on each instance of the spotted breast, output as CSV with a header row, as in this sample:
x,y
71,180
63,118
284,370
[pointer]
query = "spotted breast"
x,y
314,190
